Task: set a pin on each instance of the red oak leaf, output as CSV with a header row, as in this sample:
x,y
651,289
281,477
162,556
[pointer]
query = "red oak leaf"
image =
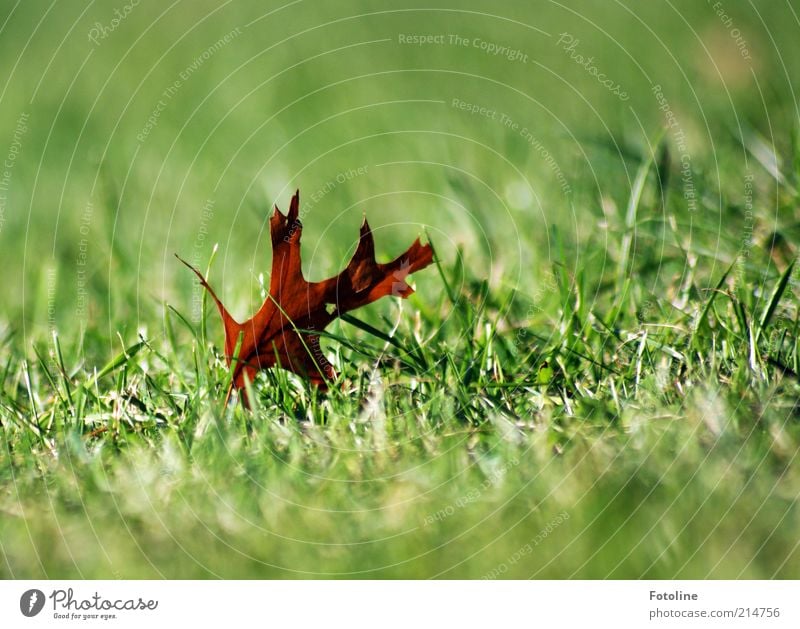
x,y
282,332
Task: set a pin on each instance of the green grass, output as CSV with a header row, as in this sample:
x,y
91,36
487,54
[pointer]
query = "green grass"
x,y
597,379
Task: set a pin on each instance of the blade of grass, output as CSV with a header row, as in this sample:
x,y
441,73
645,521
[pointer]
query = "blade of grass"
x,y
774,299
709,302
115,363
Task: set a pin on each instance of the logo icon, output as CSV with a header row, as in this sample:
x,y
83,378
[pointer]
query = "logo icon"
x,y
31,603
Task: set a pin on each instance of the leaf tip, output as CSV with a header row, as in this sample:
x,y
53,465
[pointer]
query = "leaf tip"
x,y
294,207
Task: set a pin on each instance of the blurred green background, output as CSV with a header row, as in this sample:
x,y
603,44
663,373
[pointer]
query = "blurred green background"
x,y
139,130
305,91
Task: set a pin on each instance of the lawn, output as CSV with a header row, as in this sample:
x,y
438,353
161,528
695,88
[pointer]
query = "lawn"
x,y
598,376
